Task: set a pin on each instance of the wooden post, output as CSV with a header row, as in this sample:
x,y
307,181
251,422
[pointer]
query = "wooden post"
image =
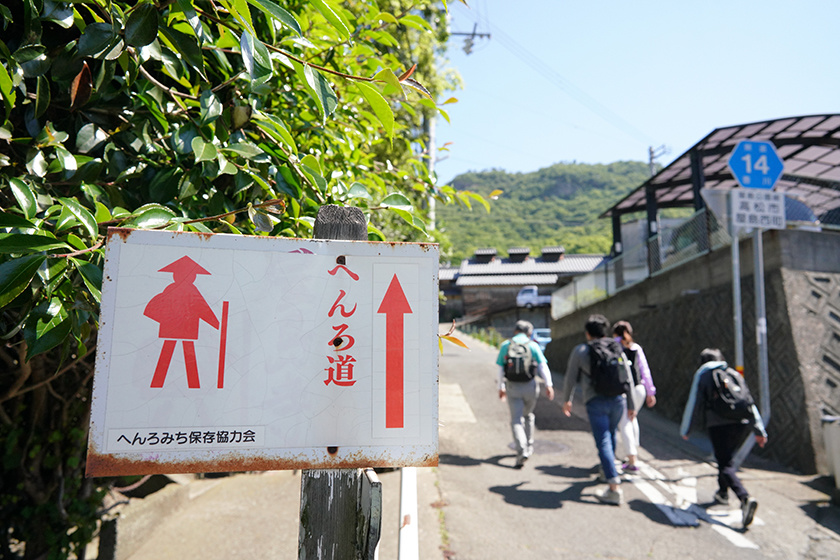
x,y
340,509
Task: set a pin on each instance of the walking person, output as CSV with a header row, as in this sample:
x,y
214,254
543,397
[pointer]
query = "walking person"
x,y
520,360
644,392
599,366
727,430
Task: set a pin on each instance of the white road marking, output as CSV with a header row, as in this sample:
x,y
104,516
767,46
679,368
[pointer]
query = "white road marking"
x,y
677,517
454,407
686,512
735,538
731,518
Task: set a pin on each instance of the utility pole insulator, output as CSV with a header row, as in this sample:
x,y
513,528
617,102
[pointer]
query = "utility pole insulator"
x,y
469,42
468,45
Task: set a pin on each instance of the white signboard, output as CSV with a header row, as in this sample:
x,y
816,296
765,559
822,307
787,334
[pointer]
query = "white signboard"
x,y
757,208
229,353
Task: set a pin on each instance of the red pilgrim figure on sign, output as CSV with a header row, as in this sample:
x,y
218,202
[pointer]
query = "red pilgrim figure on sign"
x,y
178,309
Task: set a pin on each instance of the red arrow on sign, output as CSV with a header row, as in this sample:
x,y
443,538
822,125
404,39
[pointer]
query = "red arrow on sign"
x,y
394,305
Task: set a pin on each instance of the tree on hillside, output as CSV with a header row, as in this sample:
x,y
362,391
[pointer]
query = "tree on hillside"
x,y
556,205
229,116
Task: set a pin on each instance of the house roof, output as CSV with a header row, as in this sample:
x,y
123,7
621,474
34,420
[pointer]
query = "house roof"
x,y
445,274
808,145
507,280
486,252
568,265
545,270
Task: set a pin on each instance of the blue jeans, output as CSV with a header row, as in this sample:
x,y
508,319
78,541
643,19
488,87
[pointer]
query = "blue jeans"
x,y
604,416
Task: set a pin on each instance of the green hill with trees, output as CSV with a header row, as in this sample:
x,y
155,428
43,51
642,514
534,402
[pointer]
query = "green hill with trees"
x,y
557,205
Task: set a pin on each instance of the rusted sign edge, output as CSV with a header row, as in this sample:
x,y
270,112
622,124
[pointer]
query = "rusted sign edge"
x,y
99,465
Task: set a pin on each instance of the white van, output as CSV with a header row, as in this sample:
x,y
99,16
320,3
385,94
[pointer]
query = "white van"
x,y
529,297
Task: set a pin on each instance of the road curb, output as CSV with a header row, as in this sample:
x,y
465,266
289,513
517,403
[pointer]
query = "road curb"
x,y
125,531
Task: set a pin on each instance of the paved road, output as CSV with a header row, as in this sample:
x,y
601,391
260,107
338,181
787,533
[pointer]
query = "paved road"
x,y
547,509
476,506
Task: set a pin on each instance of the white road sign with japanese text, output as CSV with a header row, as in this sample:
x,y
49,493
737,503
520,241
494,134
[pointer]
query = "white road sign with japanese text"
x,y
227,353
756,208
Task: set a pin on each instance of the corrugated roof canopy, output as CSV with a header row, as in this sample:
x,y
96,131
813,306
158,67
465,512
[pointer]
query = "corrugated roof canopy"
x,y
809,147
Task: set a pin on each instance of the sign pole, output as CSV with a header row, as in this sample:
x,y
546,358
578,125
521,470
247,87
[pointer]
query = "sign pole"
x,y
757,167
760,341
761,326
736,300
340,509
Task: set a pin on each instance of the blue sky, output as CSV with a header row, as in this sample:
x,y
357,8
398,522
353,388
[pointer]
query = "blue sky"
x,y
597,81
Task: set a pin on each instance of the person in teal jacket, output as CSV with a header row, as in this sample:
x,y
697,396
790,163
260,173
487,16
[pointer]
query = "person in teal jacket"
x,y
522,395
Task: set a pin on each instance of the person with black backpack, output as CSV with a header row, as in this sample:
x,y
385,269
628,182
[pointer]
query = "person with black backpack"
x,y
604,374
721,402
520,360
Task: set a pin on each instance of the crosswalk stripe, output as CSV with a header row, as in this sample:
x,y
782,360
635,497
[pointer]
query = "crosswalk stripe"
x,y
686,512
677,517
735,538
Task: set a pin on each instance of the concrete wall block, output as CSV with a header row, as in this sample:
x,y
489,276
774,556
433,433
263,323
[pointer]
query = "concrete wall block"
x,y
811,330
678,313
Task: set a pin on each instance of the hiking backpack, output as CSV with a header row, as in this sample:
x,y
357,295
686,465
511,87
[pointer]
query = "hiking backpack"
x,y
634,369
607,367
731,398
519,363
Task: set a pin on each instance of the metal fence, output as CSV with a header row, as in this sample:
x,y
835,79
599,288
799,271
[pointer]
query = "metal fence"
x,y
671,247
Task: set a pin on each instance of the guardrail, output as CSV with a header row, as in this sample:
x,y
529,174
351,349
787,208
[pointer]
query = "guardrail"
x,y
698,235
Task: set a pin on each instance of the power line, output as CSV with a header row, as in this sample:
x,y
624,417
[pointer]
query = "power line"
x,y
557,79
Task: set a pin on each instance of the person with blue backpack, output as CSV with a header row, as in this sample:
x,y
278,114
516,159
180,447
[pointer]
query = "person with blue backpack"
x,y
720,400
520,360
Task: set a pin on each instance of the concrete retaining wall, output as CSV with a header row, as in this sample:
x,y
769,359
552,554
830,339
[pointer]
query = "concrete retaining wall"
x,y
679,312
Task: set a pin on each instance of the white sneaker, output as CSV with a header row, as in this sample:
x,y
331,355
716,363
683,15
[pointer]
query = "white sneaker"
x,y
611,497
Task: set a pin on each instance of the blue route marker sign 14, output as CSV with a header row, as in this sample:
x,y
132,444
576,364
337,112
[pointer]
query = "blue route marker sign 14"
x,y
755,164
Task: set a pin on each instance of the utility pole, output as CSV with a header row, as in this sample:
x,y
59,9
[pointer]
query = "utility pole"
x,y
469,42
654,228
431,156
654,153
430,126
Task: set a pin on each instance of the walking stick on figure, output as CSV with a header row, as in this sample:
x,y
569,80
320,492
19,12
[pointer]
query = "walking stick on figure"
x,y
220,383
